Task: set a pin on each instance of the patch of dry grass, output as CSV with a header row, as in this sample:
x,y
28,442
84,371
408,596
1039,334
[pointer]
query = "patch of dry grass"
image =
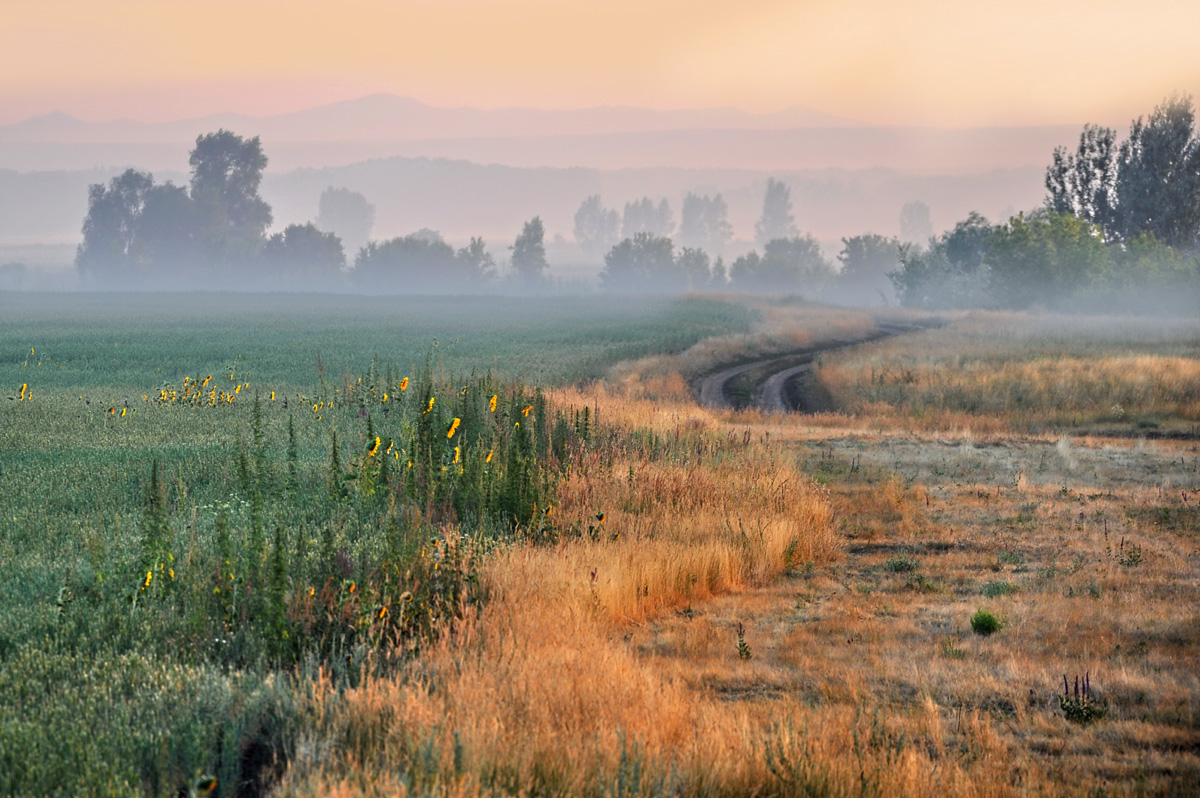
x,y
606,662
1024,372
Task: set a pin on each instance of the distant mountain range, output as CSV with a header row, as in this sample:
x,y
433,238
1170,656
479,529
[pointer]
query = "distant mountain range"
x,y
385,126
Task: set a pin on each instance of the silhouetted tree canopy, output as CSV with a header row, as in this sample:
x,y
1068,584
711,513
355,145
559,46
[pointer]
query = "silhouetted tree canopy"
x,y
596,228
348,214
866,262
1149,184
643,262
529,253
643,216
226,173
704,223
791,265
777,221
110,247
915,224
302,254
422,264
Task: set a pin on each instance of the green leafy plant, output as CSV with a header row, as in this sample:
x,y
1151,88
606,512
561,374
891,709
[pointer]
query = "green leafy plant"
x,y
743,649
1080,706
985,623
900,565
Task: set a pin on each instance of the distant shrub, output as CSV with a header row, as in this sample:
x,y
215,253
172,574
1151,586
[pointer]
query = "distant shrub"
x,y
998,588
985,623
899,565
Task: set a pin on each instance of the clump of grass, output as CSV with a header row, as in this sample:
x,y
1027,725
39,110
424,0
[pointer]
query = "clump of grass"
x,y
985,623
999,587
900,565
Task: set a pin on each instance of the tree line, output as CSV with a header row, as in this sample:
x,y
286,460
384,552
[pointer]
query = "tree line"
x,y
213,232
1119,229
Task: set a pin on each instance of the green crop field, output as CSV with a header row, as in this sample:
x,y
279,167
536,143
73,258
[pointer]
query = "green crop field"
x,y
193,513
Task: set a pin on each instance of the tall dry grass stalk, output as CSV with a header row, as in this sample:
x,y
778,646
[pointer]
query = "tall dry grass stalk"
x,y
534,691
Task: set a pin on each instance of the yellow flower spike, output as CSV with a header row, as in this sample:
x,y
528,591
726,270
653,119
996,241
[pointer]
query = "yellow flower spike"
x,y
410,463
172,573
525,412
237,389
385,397
353,587
453,427
404,384
123,412
149,576
24,388
457,453
488,459
311,591
206,380
430,407
382,613
316,409
374,448
272,396
463,392
31,353
492,404
397,453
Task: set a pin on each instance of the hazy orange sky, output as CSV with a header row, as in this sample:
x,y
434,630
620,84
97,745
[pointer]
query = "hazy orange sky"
x,y
938,62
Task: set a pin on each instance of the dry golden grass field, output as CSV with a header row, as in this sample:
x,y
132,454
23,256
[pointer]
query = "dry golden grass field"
x,y
788,605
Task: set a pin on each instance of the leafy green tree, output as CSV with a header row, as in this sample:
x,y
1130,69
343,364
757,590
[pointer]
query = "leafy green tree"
x,y
303,252
1158,176
777,221
348,214
643,262
1043,259
951,273
1085,183
787,264
529,253
705,223
226,174
597,228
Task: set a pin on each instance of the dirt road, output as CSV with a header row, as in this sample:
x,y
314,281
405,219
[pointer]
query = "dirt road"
x,y
771,376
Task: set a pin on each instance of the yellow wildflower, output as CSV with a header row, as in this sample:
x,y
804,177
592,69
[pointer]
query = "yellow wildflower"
x,y
488,459
525,412
272,396
404,384
456,454
123,412
453,427
492,404
24,388
385,397
430,407
374,448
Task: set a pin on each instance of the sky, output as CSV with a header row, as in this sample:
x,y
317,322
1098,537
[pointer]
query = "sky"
x,y
957,63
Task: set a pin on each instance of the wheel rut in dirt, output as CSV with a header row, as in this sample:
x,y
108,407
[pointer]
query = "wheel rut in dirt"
x,y
771,383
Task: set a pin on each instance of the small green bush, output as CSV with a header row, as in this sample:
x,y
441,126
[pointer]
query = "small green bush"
x,y
985,623
900,565
999,587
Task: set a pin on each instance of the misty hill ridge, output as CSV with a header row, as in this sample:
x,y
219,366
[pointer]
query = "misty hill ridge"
x,y
389,117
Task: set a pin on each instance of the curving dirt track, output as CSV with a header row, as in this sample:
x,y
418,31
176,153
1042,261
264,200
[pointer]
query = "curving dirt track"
x,y
771,391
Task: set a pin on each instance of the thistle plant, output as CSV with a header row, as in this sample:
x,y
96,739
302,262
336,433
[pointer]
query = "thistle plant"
x,y
743,649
